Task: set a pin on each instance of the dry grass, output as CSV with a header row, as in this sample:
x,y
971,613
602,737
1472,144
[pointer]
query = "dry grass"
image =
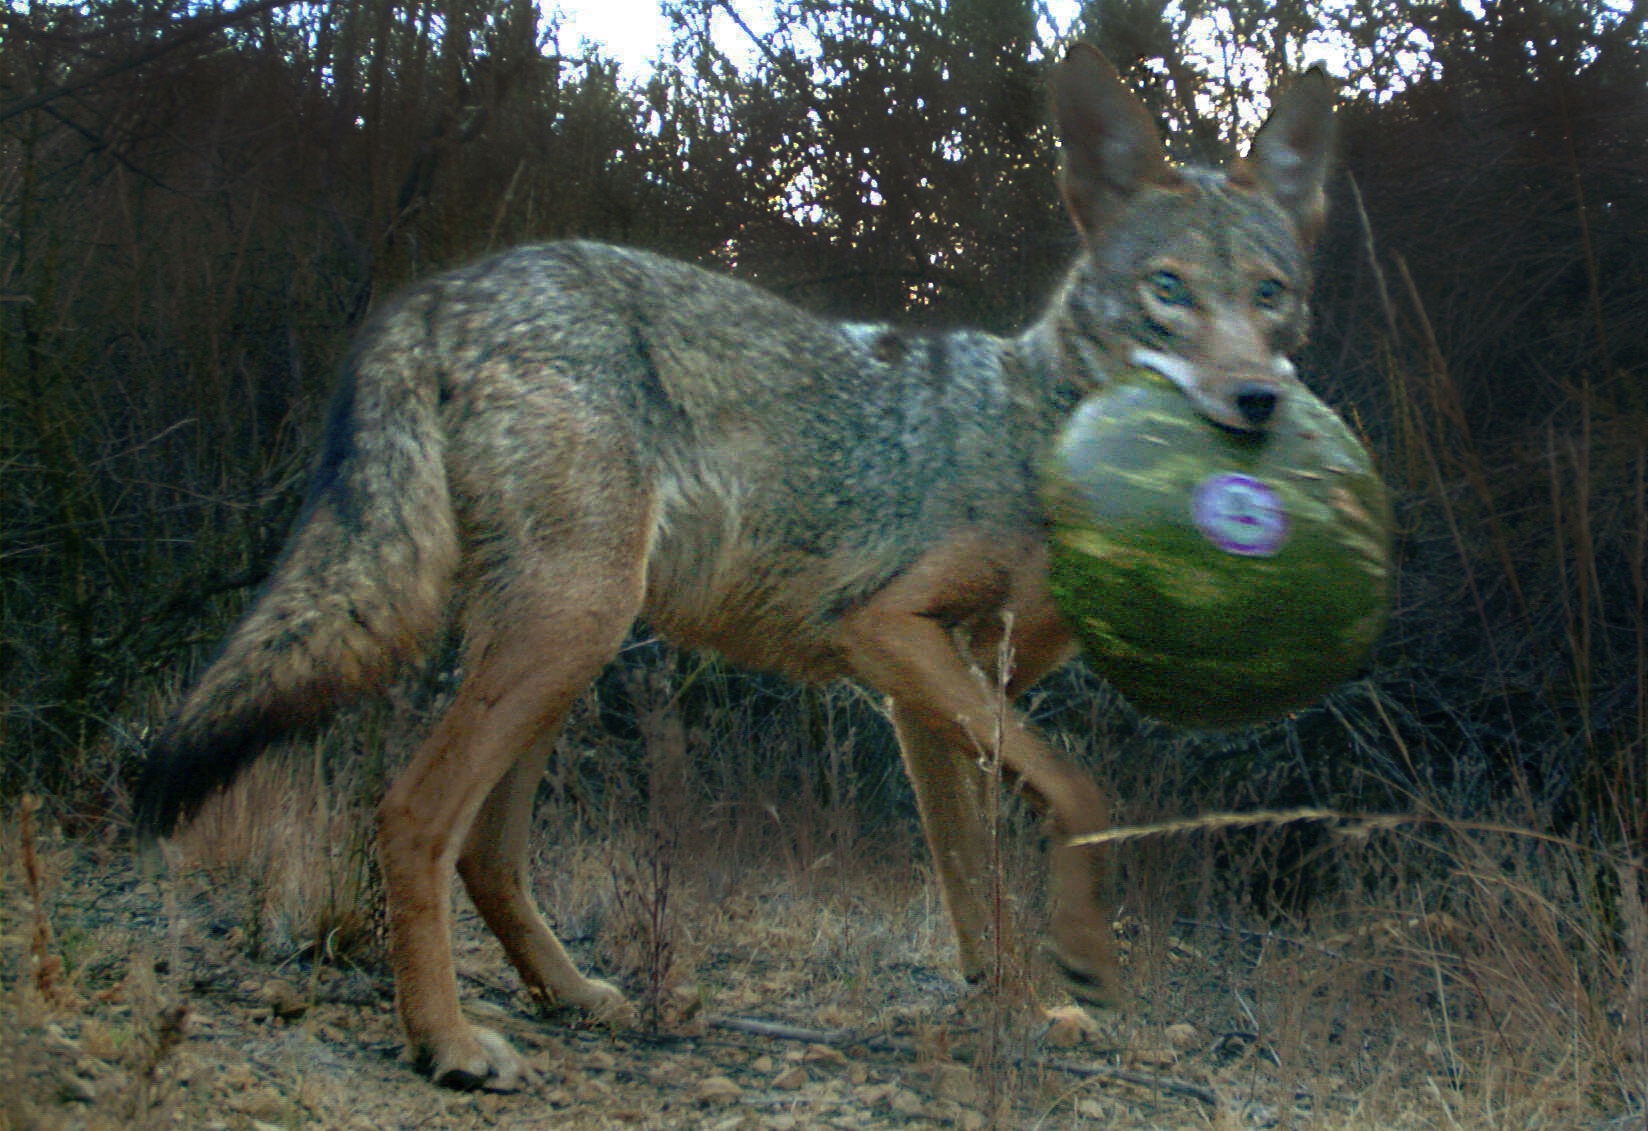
x,y
299,855
1468,975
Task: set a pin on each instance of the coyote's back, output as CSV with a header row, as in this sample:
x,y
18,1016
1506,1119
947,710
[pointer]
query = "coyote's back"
x,y
767,472
556,441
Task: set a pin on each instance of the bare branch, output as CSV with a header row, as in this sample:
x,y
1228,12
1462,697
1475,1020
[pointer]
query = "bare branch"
x,y
187,33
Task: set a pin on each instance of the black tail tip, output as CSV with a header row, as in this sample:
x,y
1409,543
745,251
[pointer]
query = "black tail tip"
x,y
194,759
157,809
179,775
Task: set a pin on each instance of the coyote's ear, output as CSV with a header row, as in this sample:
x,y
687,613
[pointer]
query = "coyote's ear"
x,y
1289,156
1110,145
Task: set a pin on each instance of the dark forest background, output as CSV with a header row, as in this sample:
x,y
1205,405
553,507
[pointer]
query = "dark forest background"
x,y
198,203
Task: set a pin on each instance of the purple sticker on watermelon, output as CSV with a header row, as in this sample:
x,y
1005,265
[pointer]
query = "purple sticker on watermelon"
x,y
1240,514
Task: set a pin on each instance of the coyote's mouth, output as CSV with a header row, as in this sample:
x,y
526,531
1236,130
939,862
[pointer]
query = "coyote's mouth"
x,y
1249,410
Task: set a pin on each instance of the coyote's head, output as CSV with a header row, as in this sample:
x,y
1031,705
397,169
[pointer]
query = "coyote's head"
x,y
1202,275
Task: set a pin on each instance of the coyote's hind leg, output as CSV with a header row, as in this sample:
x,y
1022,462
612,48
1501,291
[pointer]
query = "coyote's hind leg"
x,y
468,789
494,867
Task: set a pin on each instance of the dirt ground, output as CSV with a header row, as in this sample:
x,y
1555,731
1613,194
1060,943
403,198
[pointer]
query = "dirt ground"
x,y
785,997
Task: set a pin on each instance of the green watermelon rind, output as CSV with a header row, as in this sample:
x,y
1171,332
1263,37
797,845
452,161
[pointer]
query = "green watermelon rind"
x,y
1249,637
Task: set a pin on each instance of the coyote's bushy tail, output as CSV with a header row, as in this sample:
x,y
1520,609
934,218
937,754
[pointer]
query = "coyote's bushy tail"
x,y
361,585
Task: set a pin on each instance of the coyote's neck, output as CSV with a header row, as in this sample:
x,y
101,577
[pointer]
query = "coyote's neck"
x,y
1054,363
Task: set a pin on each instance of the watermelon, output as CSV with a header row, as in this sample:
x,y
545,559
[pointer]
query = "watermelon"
x,y
1215,578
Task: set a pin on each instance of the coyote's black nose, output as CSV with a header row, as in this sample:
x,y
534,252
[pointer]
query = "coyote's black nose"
x,y
1257,404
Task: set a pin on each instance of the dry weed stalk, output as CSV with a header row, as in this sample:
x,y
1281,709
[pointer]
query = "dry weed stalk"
x,y
1634,943
1350,825
46,964
1008,980
148,1089
647,896
1001,1049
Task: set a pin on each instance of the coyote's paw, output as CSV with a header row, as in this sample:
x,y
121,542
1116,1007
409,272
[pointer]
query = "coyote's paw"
x,y
601,1003
1083,949
604,1003
1067,1026
1090,975
476,1060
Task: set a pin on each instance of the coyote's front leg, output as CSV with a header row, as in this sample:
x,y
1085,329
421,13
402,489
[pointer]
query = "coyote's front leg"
x,y
947,718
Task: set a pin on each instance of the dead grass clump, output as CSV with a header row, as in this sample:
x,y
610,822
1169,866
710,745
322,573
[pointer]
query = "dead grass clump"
x,y
296,847
1482,972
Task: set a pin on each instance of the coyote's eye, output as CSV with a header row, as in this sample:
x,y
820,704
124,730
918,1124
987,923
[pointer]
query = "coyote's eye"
x,y
1268,294
1168,288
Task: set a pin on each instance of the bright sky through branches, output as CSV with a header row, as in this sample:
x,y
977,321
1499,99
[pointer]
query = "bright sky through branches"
x,y
634,30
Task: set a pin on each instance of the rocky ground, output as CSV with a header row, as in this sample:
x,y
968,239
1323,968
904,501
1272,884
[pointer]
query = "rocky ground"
x,y
781,1001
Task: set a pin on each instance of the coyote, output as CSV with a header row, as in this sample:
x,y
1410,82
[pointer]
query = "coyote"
x,y
559,440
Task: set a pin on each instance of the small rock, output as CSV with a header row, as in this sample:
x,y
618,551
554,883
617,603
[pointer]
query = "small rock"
x,y
54,1037
75,1089
874,1095
264,1105
1100,1111
906,1103
792,1079
824,1054
954,1082
284,999
716,1090
1151,1056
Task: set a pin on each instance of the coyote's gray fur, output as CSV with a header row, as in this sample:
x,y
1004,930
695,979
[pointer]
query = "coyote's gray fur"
x,y
561,439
